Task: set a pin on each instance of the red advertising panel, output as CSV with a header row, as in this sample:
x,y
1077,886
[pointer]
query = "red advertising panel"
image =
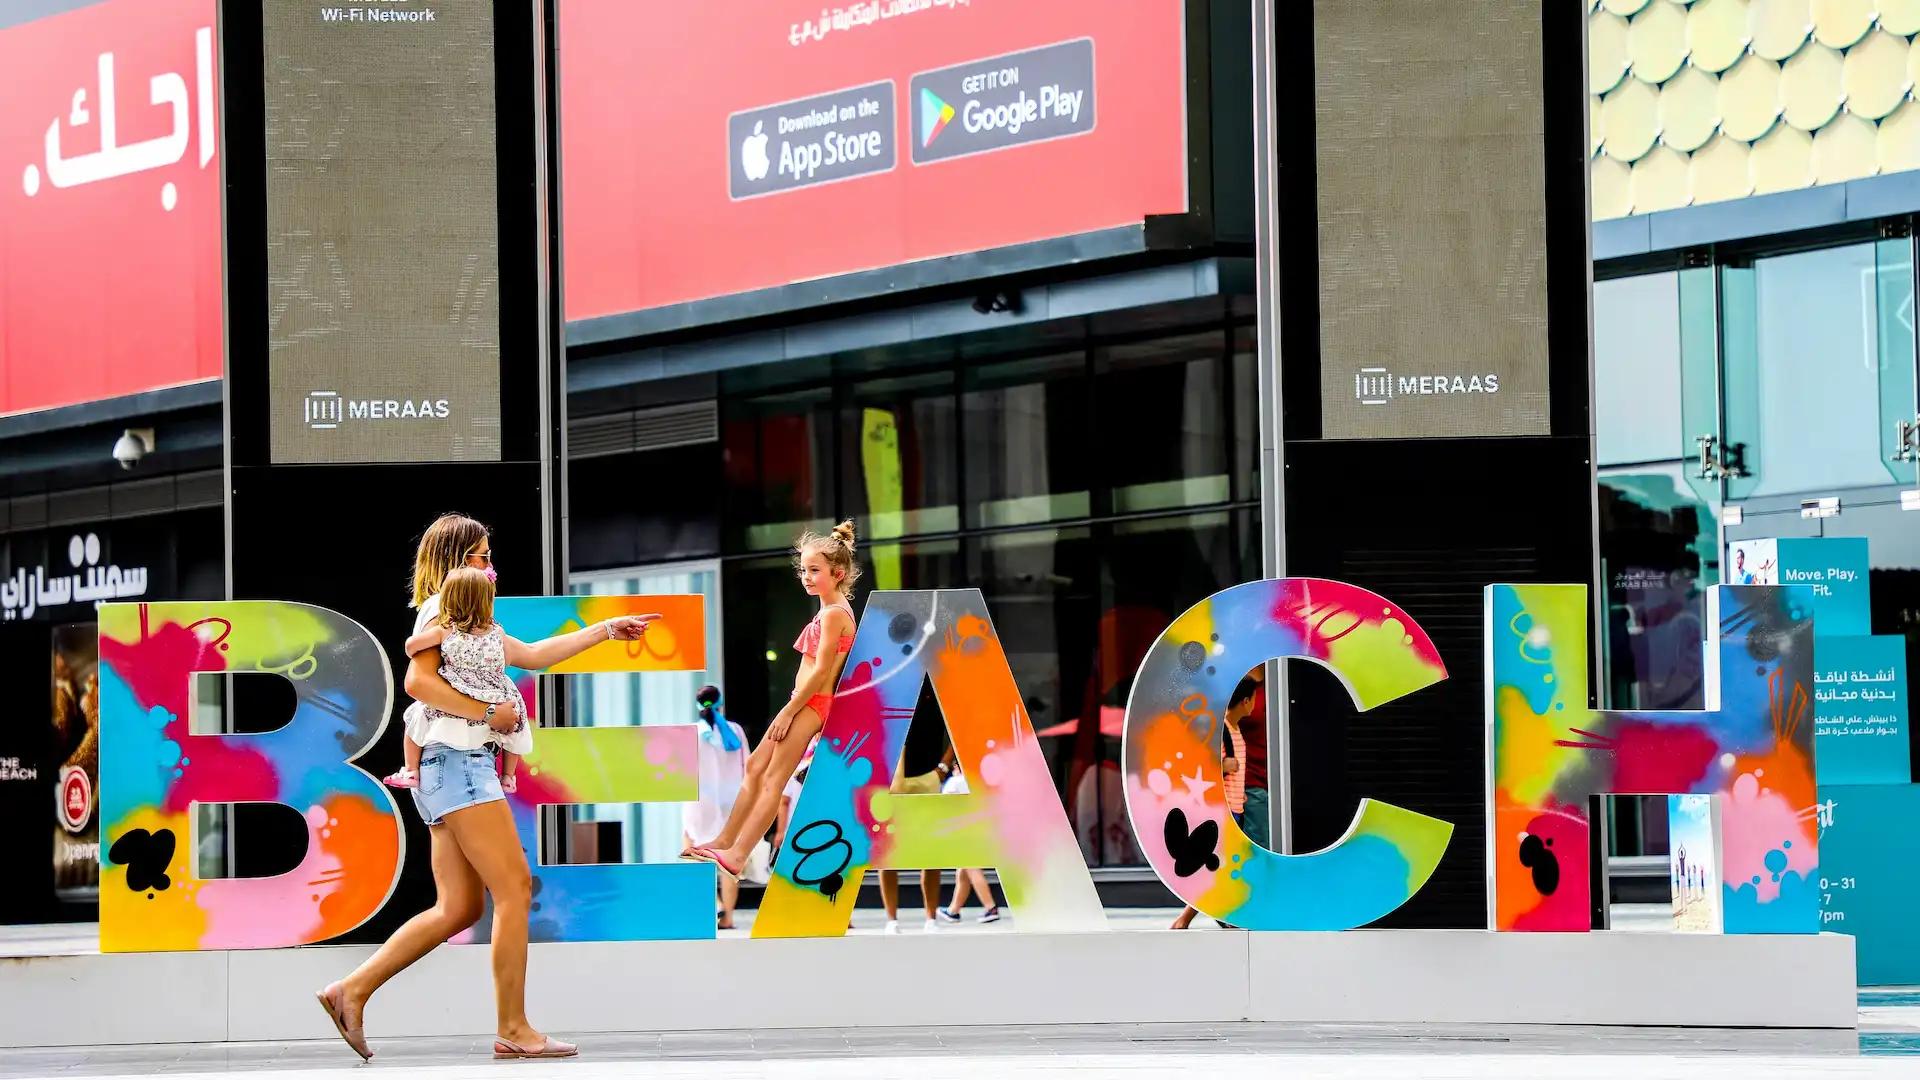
x,y
109,203
716,148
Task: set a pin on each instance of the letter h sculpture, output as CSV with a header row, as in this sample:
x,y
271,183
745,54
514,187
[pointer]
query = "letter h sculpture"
x,y
1548,754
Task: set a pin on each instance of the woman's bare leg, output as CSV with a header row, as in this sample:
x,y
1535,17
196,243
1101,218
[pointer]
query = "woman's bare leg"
x,y
763,803
961,887
487,837
978,879
742,805
457,905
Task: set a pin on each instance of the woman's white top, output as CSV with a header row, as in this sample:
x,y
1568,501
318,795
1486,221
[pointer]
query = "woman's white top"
x,y
721,774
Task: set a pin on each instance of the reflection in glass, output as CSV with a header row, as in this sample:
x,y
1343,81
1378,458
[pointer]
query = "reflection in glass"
x,y
1636,369
1817,371
1026,431
777,465
1163,415
899,472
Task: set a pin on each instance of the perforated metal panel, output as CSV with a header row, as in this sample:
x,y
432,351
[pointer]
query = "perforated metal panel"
x,y
643,429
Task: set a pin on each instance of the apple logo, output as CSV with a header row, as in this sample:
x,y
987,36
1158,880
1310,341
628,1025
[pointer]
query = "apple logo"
x,y
753,154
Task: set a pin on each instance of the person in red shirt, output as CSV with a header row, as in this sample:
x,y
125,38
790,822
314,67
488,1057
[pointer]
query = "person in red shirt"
x,y
1246,711
1253,730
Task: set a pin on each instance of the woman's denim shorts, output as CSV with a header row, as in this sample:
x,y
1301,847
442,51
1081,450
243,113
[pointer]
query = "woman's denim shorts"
x,y
454,780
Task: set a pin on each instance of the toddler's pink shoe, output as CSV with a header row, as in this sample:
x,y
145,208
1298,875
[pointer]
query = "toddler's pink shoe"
x,y
405,778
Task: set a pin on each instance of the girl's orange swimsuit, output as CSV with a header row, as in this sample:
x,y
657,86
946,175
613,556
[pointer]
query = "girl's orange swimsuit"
x,y
809,642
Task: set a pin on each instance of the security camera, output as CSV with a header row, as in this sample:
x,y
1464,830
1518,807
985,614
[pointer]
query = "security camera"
x,y
134,444
1010,303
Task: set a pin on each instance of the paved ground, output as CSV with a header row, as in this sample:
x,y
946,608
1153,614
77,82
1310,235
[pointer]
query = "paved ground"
x,y
1887,1045
1224,1052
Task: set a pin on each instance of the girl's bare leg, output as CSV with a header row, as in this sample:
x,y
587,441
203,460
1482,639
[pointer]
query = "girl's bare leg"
x,y
742,805
729,896
762,803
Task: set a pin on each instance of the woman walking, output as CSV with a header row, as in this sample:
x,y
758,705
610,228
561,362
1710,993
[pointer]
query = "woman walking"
x,y
475,846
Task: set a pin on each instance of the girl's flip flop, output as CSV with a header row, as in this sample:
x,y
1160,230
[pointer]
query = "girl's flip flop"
x,y
708,855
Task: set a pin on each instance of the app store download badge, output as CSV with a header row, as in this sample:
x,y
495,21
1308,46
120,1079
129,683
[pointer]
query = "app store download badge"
x,y
1003,101
815,140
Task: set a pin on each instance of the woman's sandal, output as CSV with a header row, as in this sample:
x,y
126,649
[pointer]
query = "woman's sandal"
x,y
356,1038
549,1048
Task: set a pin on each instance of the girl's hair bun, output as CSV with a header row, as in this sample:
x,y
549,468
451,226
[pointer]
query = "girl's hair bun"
x,y
844,533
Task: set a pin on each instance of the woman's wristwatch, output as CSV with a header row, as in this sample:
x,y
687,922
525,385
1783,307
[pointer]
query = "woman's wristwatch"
x,y
487,717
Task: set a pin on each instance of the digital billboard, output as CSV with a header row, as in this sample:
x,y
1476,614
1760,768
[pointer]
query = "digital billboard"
x,y
383,263
716,149
110,261
1432,201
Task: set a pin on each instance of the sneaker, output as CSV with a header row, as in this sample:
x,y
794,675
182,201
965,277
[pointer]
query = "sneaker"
x,y
893,928
933,926
992,914
946,916
404,778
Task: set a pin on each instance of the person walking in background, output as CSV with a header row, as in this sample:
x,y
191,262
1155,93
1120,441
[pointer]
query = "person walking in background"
x,y
923,756
1253,731
1232,775
970,878
927,783
723,767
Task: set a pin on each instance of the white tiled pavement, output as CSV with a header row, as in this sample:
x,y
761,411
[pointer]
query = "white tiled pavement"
x,y
1887,1045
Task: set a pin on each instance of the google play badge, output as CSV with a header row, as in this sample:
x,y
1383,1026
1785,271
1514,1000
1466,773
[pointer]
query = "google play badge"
x,y
934,114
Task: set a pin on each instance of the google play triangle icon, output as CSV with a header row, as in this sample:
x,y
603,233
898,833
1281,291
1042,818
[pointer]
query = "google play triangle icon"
x,y
934,114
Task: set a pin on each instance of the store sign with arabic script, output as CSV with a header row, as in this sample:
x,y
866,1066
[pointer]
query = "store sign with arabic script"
x,y
28,591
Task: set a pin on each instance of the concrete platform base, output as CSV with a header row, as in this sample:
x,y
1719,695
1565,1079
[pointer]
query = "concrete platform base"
x,y
1386,976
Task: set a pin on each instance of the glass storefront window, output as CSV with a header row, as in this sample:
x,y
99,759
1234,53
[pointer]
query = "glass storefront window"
x,y
1813,376
1636,369
898,452
1027,443
1091,494
1658,555
1164,425
1245,401
777,462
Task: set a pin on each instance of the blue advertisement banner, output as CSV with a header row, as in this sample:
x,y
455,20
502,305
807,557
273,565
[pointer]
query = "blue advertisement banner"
x,y
1860,709
1836,568
1870,875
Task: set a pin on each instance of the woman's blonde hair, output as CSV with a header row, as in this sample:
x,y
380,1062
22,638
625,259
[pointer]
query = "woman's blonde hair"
x,y
443,548
836,546
466,601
